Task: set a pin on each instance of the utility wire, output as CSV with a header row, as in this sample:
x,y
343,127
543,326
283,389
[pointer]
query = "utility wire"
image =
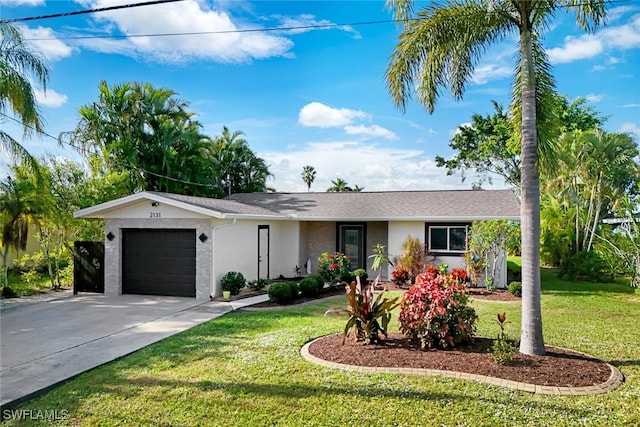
x,y
118,163
85,11
234,31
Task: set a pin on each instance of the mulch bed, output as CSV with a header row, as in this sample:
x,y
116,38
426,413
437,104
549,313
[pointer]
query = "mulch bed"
x,y
559,367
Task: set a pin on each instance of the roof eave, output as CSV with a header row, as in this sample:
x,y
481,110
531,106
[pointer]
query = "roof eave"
x,y
99,211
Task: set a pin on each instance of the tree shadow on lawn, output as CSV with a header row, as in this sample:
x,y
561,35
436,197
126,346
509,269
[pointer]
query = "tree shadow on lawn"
x,y
294,391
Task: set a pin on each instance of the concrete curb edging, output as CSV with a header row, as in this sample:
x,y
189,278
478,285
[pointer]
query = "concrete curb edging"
x,y
616,379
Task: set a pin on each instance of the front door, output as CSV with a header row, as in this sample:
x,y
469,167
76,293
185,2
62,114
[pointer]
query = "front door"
x,y
263,252
351,242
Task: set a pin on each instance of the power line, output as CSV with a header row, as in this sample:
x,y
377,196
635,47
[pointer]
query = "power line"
x,y
234,31
85,11
123,165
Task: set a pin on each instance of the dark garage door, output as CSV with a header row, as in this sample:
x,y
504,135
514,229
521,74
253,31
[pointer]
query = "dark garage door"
x,y
159,262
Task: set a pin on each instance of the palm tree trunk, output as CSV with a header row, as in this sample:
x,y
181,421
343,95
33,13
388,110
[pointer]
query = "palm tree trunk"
x,y
531,339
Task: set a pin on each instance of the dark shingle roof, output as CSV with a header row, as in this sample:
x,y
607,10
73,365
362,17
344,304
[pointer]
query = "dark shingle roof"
x,y
460,204
219,205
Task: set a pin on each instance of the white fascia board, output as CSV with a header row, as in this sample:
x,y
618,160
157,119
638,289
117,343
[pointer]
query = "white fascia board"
x,y
259,217
99,211
408,218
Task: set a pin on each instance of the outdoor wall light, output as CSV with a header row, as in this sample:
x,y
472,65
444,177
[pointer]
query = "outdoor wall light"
x,y
203,237
110,236
154,204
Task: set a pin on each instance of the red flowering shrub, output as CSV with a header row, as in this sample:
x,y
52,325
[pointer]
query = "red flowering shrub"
x,y
434,312
460,275
400,276
430,270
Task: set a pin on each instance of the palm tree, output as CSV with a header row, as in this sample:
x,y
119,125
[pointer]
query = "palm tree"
x,y
339,185
308,176
439,50
357,188
19,205
19,63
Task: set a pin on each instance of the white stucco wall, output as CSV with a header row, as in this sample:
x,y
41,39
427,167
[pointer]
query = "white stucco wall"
x,y
236,248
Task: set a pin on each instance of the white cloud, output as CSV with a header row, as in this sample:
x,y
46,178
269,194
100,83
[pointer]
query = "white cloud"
x,y
630,127
487,72
593,97
45,42
16,3
50,98
306,22
373,131
616,13
316,114
189,16
621,37
367,165
575,48
630,106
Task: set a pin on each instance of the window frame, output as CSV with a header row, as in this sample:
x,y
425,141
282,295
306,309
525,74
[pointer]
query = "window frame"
x,y
447,227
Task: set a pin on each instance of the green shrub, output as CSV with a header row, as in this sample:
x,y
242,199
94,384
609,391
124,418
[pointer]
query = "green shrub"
x,y
333,267
309,287
318,280
586,266
280,293
8,292
295,290
258,284
233,282
515,288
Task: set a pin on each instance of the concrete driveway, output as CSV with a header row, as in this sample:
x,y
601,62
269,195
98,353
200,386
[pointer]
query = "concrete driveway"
x,y
44,343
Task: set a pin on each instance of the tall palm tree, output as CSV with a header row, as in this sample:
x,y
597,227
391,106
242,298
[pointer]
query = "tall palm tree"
x,y
19,63
308,175
440,48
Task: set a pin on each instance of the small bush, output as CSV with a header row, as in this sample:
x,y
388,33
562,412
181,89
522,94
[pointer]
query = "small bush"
x,y
258,284
233,282
586,266
8,292
295,290
460,275
309,287
515,288
434,312
333,267
368,316
502,351
280,293
400,276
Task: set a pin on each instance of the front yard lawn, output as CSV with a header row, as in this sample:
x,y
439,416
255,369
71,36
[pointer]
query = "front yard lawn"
x,y
245,369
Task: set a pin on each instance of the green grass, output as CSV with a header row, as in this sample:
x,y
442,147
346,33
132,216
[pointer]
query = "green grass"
x,y
245,369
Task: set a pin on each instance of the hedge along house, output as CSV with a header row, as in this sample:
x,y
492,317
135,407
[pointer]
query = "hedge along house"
x,y
170,244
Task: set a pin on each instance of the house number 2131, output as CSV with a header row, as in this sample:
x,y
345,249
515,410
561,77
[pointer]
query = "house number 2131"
x,y
154,214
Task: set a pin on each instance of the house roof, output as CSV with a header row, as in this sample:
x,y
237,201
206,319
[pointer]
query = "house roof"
x,y
454,205
389,205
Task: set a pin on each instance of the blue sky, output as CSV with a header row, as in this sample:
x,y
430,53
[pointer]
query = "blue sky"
x,y
309,96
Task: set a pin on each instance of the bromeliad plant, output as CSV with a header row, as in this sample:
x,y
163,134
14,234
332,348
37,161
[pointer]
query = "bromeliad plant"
x,y
368,317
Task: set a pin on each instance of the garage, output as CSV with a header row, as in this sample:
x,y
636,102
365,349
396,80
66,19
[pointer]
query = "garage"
x,y
159,262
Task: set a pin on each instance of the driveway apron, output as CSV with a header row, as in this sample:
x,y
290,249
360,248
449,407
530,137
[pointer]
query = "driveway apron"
x,y
45,343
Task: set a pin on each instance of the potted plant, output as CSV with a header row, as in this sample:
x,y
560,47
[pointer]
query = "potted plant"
x,y
232,283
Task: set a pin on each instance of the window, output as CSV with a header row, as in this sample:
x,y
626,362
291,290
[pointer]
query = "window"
x,y
448,238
